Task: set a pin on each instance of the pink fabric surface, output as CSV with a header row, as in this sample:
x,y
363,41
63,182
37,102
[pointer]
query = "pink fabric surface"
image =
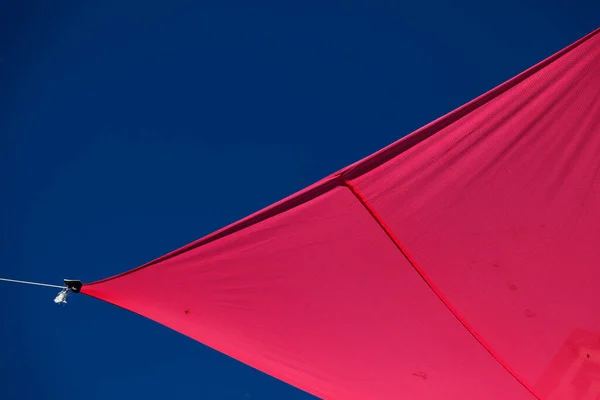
x,y
461,262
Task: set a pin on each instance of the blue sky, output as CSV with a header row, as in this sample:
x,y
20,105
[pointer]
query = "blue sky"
x,y
128,129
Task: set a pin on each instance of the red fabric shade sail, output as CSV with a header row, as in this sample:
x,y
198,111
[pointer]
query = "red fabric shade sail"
x,y
461,262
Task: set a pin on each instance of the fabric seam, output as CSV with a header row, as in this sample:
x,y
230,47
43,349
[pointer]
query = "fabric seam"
x,y
378,219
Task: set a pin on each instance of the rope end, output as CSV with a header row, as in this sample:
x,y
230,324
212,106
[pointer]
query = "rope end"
x,y
61,298
72,286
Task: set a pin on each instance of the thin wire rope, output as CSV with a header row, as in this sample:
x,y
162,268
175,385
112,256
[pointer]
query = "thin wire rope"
x,y
32,283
